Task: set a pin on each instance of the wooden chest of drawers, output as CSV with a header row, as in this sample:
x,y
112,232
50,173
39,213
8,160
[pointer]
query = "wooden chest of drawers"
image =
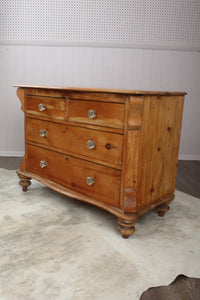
x,y
115,149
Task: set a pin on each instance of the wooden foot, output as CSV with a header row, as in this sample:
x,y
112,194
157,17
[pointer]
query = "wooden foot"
x,y
126,227
162,209
24,182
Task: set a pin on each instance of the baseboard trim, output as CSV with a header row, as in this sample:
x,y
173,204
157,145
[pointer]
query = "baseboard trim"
x,y
12,153
189,157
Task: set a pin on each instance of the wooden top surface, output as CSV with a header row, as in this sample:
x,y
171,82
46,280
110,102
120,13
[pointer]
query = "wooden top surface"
x,y
76,89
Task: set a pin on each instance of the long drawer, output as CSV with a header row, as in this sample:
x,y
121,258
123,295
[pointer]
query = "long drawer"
x,y
45,106
99,182
96,113
103,146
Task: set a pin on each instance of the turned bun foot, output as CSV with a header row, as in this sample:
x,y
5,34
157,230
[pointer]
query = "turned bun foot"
x,y
126,227
162,209
24,182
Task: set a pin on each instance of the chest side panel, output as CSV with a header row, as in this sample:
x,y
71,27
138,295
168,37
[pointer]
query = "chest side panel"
x,y
158,148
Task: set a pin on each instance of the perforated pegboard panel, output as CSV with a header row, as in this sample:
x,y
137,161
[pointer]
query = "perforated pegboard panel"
x,y
120,23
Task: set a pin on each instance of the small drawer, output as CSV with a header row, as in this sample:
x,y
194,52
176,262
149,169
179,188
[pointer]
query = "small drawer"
x,y
47,107
94,144
96,181
96,113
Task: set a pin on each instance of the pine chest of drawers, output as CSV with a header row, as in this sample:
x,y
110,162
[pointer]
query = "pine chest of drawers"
x,y
115,149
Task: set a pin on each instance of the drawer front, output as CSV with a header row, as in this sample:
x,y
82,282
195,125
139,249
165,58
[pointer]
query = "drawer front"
x,y
93,180
103,146
96,113
46,107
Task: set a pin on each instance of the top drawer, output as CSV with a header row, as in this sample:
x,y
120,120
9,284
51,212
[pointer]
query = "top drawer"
x,y
96,113
45,106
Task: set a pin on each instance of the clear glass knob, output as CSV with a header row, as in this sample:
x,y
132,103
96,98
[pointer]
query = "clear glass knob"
x,y
43,164
91,144
92,114
90,180
42,107
43,132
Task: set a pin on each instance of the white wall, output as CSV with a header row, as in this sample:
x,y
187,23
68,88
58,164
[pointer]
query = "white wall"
x,y
101,68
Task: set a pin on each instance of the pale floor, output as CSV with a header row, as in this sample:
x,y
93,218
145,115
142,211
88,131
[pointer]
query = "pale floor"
x,y
154,241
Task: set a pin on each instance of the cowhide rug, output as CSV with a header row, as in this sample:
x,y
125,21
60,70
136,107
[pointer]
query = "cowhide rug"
x,y
53,247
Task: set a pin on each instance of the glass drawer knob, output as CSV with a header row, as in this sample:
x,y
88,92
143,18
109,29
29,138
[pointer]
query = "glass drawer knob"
x,y
91,144
92,114
43,164
90,180
42,107
43,132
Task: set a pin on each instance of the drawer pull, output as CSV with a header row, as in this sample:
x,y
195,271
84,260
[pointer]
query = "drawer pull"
x,y
42,107
43,164
91,144
43,132
92,114
90,180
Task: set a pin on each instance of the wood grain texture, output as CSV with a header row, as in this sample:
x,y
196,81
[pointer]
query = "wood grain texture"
x,y
73,173
129,200
135,112
45,92
79,125
158,148
107,114
127,227
162,209
132,165
77,195
73,140
94,160
39,87
132,123
166,200
24,182
188,174
55,107
109,97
